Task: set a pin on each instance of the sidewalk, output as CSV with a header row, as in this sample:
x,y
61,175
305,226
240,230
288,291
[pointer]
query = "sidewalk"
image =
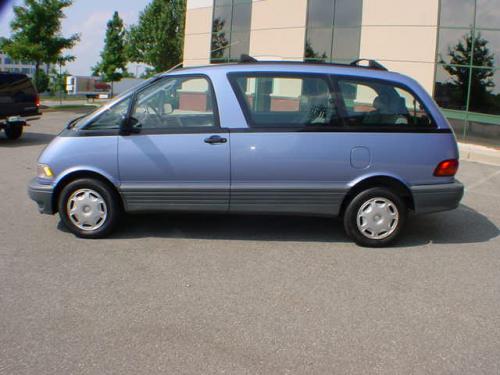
x,y
479,154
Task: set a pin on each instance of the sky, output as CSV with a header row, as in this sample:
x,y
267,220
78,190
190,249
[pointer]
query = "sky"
x,y
89,19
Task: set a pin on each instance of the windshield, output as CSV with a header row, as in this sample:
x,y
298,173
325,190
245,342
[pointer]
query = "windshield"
x,y
78,122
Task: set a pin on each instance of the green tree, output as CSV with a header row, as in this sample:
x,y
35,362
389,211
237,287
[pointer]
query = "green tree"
x,y
36,34
220,43
312,55
157,38
41,81
471,49
57,83
113,64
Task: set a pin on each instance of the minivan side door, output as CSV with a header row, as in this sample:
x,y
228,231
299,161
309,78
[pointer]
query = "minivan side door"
x,y
287,159
176,158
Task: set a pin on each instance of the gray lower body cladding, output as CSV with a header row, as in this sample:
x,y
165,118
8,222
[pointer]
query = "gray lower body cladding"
x,y
436,198
42,195
286,201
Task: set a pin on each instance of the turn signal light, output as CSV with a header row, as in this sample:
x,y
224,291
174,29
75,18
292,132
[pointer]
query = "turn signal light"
x,y
447,168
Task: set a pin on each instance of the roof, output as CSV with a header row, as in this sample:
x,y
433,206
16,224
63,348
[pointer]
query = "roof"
x,y
294,67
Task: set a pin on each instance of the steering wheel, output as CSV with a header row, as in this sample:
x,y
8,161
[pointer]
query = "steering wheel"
x,y
157,117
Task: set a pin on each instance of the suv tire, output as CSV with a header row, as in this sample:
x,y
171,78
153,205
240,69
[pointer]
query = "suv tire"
x,y
375,217
14,132
89,208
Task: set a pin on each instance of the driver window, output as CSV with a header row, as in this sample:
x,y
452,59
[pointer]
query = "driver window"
x,y
176,102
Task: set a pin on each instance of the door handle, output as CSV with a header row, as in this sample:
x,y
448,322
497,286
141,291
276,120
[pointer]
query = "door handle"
x,y
215,139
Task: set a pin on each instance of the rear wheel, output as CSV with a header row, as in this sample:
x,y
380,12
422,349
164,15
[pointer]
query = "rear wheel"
x,y
14,132
89,208
375,217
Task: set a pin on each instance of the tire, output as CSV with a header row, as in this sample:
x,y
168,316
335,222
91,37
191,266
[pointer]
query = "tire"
x,y
379,228
95,206
14,132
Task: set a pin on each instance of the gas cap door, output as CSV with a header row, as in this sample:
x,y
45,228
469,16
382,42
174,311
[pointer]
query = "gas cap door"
x,y
360,157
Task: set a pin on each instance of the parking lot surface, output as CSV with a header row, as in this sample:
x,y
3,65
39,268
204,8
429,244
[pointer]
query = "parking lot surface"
x,y
174,294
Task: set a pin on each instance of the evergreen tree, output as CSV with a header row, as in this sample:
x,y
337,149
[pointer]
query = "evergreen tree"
x,y
113,64
220,43
158,37
36,35
463,53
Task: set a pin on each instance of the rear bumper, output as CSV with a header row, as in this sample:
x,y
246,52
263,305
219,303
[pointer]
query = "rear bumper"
x,y
436,198
42,195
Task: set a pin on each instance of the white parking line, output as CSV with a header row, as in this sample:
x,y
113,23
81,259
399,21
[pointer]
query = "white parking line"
x,y
482,181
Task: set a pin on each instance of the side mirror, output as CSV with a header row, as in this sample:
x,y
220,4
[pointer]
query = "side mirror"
x,y
168,108
130,125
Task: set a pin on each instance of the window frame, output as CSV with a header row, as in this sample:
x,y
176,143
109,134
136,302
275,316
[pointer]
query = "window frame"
x,y
335,78
233,77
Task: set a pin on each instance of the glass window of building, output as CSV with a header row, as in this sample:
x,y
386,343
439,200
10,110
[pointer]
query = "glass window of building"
x,y
457,13
230,30
333,30
467,83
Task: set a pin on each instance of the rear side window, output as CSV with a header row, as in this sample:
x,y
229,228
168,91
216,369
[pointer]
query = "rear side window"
x,y
371,104
275,101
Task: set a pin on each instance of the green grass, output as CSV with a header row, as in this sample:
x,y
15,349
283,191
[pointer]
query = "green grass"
x,y
66,98
71,108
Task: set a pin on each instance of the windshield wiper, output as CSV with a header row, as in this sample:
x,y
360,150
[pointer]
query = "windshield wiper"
x,y
73,122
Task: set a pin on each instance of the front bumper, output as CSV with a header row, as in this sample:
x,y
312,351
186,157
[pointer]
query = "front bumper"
x,y
436,198
42,195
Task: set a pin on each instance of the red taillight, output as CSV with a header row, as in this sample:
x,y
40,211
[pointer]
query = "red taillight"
x,y
447,168
37,101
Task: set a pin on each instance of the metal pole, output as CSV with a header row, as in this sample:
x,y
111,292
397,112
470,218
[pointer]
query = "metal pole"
x,y
59,84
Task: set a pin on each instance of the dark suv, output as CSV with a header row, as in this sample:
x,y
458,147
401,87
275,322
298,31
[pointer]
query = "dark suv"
x,y
18,100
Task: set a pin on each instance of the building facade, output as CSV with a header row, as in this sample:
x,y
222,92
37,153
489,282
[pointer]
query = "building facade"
x,y
10,65
452,47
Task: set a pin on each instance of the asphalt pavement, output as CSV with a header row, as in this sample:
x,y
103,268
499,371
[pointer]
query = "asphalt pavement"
x,y
206,294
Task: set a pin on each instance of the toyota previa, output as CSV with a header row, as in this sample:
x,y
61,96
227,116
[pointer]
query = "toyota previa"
x,y
358,142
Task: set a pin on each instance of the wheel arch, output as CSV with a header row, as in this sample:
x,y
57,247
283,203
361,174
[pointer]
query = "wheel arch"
x,y
79,174
390,182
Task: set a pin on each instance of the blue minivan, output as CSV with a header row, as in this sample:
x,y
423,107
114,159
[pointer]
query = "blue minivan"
x,y
353,141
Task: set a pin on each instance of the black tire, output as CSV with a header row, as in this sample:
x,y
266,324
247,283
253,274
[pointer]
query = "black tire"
x,y
395,225
109,197
14,132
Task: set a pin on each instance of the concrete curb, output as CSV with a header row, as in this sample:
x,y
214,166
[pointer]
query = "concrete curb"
x,y
480,154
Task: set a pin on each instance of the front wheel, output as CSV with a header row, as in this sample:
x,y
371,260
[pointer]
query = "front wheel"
x,y
375,217
89,208
14,132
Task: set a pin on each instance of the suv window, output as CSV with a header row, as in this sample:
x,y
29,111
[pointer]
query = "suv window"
x,y
374,103
285,100
175,102
16,88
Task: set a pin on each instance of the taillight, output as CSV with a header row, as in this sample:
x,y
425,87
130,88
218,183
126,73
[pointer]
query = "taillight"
x,y
37,100
447,168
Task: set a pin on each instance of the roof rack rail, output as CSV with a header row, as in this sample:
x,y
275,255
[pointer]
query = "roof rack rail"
x,y
175,67
372,64
244,58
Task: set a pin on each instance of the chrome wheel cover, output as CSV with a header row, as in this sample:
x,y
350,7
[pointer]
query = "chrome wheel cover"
x,y
377,218
87,209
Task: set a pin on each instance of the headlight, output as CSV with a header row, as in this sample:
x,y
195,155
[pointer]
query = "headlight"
x,y
44,171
